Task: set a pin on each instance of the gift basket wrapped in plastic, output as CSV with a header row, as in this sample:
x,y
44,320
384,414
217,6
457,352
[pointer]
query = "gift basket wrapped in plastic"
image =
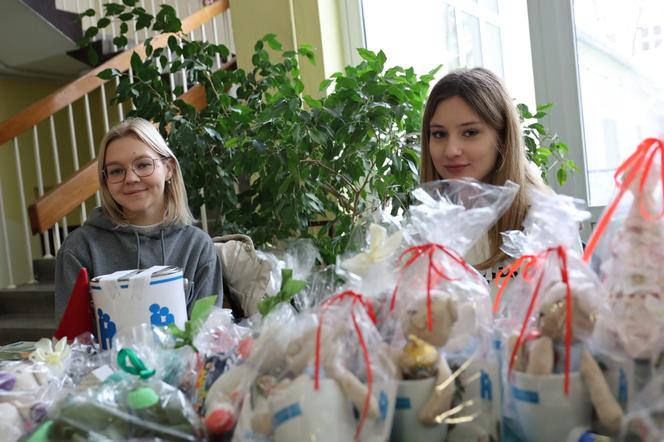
x,y
450,379
324,374
553,384
627,248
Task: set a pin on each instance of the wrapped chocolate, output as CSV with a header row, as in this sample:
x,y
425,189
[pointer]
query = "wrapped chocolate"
x,y
441,300
628,248
552,382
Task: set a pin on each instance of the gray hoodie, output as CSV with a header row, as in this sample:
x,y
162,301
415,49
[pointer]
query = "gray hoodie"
x,y
104,247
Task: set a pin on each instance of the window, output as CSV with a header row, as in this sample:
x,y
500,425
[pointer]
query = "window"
x,y
455,33
622,94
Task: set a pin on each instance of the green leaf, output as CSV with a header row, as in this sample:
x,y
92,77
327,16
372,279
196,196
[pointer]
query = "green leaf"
x,y
272,42
120,41
103,22
561,176
523,110
130,2
136,62
308,52
202,308
366,54
312,102
91,32
108,74
124,27
289,288
325,84
113,9
93,58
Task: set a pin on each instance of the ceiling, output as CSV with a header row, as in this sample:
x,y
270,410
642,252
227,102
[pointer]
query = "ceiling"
x,y
34,47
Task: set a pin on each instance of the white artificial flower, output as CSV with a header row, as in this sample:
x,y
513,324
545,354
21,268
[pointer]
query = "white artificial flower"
x,y
381,247
53,357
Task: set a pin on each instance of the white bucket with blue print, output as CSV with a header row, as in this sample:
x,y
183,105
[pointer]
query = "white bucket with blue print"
x,y
544,412
301,413
127,298
411,397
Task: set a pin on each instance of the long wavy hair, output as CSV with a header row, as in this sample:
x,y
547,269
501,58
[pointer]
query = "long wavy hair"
x,y
486,95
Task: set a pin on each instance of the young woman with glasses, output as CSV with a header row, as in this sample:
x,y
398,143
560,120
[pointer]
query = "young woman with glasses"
x,y
144,219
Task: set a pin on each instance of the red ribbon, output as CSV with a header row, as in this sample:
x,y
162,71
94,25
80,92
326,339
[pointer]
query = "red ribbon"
x,y
428,250
640,161
562,256
357,299
506,273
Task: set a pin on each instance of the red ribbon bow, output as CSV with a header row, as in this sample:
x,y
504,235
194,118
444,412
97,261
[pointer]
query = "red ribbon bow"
x,y
640,161
532,261
428,250
357,299
506,273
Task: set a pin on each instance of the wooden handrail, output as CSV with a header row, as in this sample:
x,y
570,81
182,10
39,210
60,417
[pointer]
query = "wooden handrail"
x,y
58,100
60,201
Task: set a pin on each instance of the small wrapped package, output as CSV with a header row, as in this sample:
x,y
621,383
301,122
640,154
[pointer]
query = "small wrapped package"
x,y
443,305
227,395
327,377
128,298
129,405
552,382
628,248
222,345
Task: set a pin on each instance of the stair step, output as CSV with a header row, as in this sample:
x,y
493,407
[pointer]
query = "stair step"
x,y
25,327
29,299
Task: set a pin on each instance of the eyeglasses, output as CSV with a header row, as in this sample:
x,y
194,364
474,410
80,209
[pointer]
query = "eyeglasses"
x,y
142,167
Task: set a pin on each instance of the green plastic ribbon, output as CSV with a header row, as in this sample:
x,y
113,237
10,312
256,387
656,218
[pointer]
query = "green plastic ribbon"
x,y
199,314
289,288
136,366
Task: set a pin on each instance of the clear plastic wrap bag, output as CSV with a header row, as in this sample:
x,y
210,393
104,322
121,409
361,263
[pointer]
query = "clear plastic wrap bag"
x,y
552,382
371,255
444,305
313,372
222,345
299,255
627,247
125,406
28,390
645,420
226,398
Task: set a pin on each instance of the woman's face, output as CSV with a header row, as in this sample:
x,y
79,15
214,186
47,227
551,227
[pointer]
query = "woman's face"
x,y
460,143
140,192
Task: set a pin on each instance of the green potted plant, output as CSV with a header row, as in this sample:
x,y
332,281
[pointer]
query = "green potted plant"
x,y
273,162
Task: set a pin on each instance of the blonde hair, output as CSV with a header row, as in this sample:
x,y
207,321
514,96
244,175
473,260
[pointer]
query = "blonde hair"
x,y
483,91
175,195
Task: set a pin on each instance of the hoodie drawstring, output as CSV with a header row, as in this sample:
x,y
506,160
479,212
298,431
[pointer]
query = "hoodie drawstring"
x,y
163,249
138,250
